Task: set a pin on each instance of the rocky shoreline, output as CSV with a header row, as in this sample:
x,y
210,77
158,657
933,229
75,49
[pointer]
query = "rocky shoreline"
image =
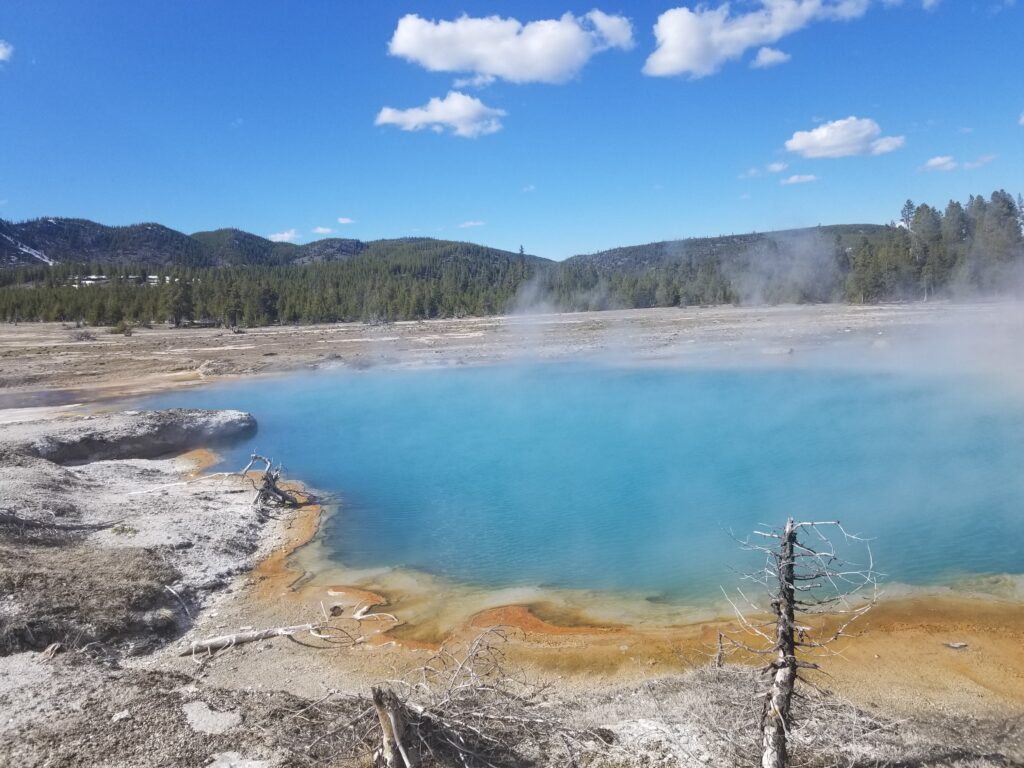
x,y
103,541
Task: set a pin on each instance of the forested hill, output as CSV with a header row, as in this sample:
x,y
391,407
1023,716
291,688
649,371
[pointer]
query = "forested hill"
x,y
72,270
632,257
78,241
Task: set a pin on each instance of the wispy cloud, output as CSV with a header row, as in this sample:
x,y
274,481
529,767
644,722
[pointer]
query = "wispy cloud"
x,y
322,230
949,163
470,224
844,138
346,220
699,41
463,115
530,188
474,81
799,179
6,51
753,173
769,57
288,236
1020,120
928,5
970,165
492,47
940,163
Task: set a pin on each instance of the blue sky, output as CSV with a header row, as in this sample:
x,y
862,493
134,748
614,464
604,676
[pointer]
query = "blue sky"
x,y
642,122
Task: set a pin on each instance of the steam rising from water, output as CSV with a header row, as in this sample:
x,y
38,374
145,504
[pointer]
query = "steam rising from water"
x,y
721,413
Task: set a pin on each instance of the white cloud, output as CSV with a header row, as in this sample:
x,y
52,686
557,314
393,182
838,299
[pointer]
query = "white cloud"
x,y
475,81
545,51
346,220
322,230
1021,120
530,188
464,115
769,57
799,179
948,163
928,5
470,224
887,144
288,236
941,163
844,138
753,173
970,165
697,42
6,51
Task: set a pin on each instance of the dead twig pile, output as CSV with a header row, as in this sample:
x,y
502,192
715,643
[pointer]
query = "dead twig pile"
x,y
825,730
468,709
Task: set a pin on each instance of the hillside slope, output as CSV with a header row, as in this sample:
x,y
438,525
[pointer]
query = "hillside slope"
x,y
52,241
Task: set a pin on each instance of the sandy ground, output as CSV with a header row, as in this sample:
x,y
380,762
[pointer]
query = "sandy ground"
x,y
47,364
900,667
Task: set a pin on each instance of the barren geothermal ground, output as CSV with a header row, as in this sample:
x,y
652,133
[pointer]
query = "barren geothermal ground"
x,y
48,363
119,548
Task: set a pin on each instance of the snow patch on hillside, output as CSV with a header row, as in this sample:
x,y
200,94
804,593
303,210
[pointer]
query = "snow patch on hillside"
x,y
29,251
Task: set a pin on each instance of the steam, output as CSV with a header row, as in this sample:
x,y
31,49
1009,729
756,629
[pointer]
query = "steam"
x,y
786,267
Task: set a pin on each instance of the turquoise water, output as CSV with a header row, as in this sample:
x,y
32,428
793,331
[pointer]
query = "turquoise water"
x,y
631,479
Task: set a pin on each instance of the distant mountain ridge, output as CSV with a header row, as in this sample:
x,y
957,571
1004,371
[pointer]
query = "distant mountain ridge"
x,y
73,269
70,241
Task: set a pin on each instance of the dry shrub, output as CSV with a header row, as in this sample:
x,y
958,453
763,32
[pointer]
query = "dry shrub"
x,y
710,717
77,594
465,707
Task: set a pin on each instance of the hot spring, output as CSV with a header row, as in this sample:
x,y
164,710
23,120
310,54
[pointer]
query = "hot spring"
x,y
636,479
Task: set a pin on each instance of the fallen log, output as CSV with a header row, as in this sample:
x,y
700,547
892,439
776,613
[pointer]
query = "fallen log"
x,y
223,642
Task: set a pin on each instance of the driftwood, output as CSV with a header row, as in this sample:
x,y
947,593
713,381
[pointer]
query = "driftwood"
x,y
268,490
51,650
223,642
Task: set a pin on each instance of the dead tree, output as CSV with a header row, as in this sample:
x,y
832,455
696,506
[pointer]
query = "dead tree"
x,y
391,714
267,489
814,596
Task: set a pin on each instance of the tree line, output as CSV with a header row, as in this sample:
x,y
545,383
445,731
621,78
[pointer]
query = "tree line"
x,y
968,249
